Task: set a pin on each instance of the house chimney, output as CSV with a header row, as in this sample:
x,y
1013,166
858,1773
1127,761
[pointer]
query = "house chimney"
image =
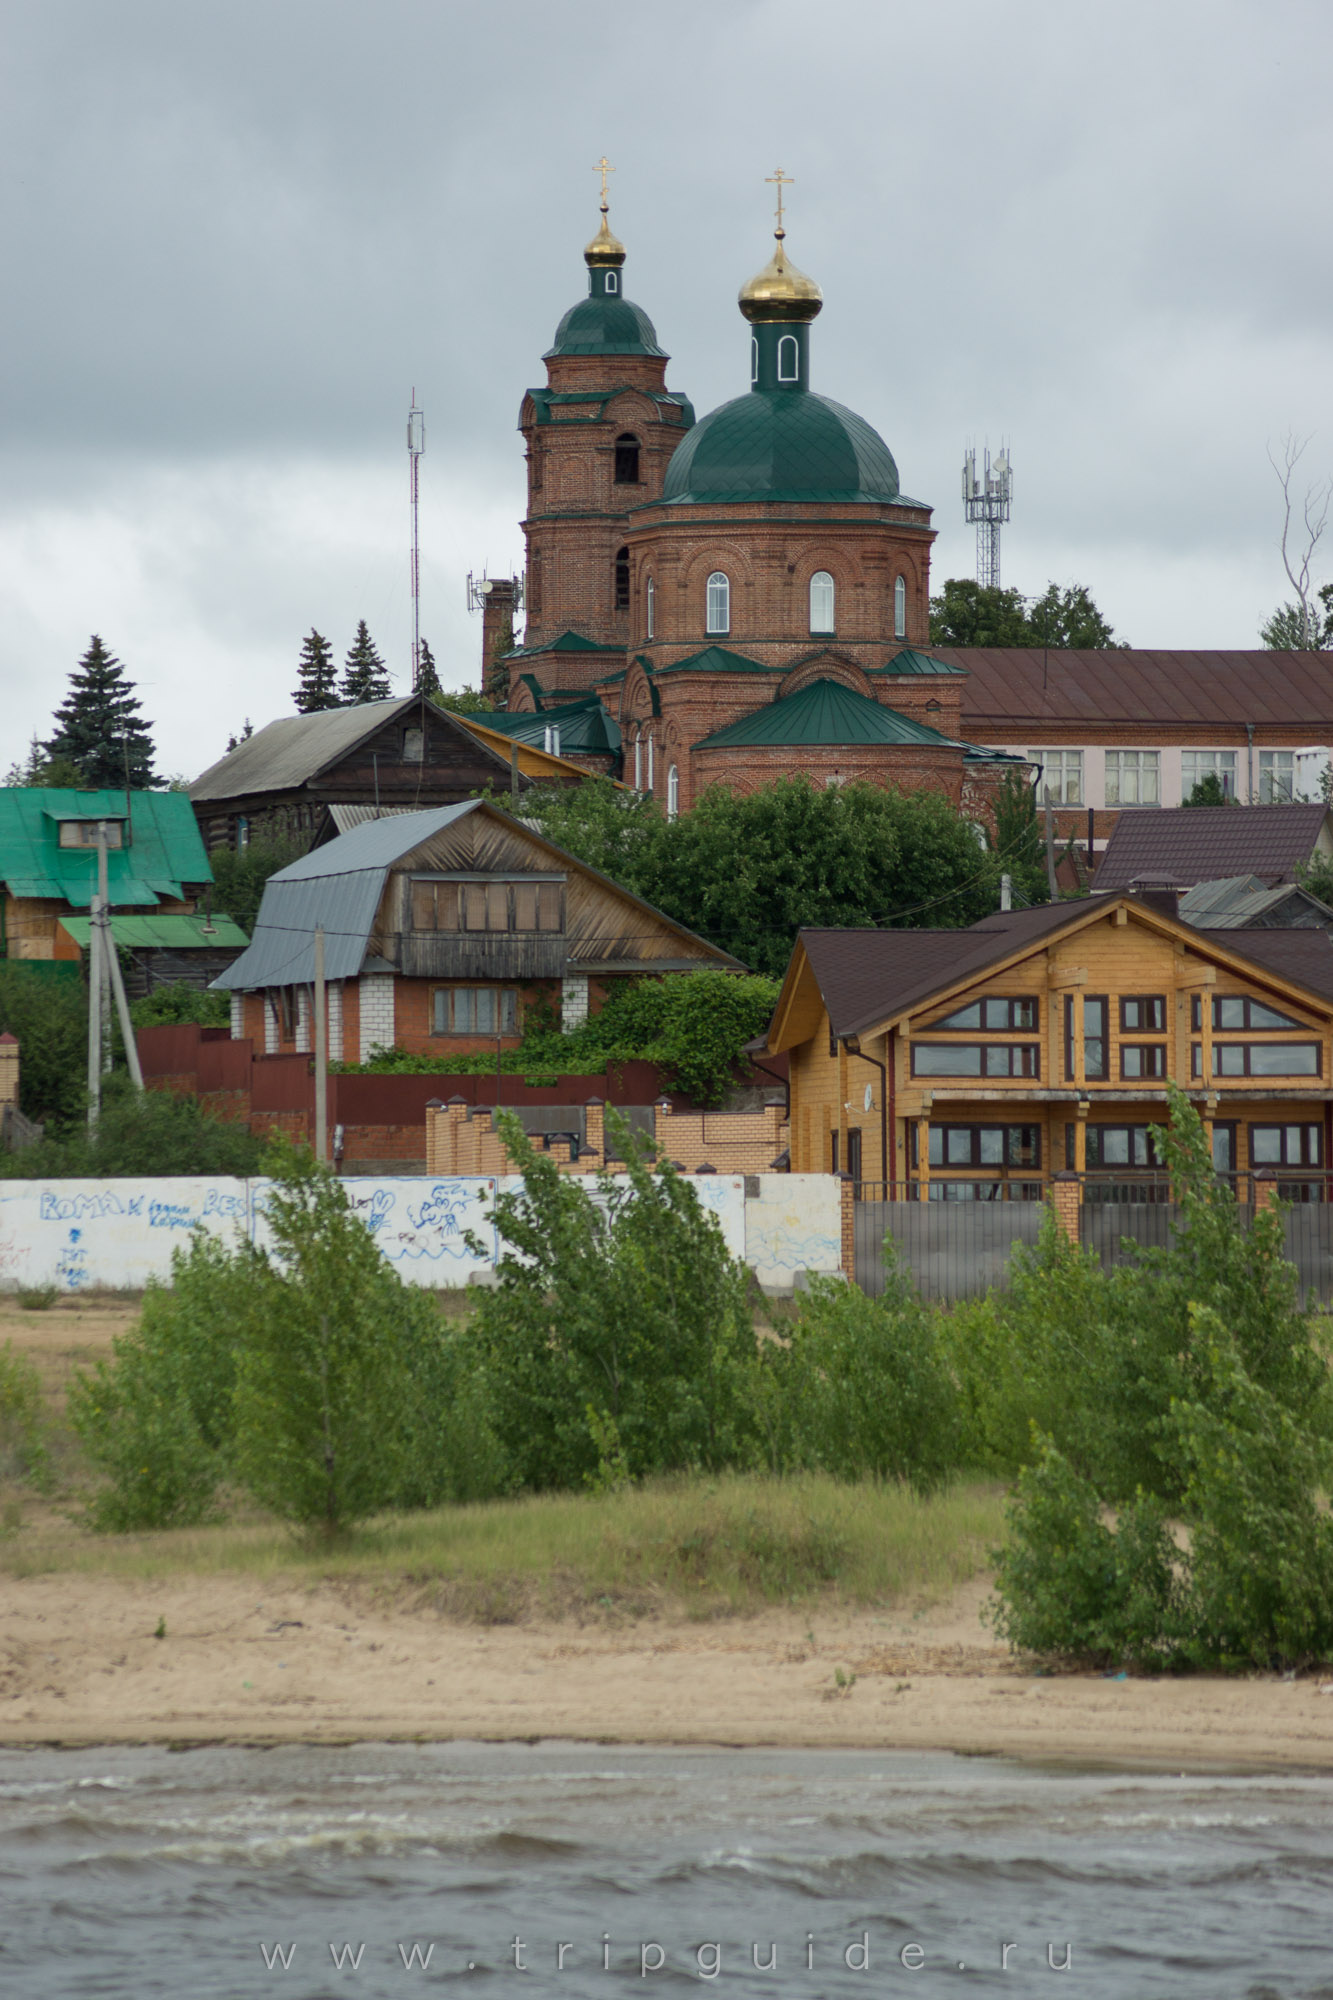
x,y
497,635
1159,893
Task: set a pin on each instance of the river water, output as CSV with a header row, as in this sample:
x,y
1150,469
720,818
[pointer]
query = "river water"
x,y
392,1869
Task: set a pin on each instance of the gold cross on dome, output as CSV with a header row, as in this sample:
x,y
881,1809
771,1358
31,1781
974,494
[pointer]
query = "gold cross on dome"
x,y
603,168
780,180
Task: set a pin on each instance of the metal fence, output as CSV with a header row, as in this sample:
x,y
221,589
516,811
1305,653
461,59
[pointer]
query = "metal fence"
x,y
954,1249
1308,1228
1119,1217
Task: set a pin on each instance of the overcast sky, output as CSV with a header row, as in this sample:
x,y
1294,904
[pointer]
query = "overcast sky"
x,y
236,236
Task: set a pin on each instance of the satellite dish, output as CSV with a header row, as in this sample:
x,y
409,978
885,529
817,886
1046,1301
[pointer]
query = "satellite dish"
x,y
870,1097
485,587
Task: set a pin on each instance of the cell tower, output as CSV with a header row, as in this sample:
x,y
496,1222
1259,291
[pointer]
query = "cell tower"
x,y
986,501
416,444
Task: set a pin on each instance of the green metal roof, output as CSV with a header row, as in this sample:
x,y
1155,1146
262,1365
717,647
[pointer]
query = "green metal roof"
x,y
714,660
165,849
781,445
568,642
170,933
545,400
909,661
584,726
824,712
605,326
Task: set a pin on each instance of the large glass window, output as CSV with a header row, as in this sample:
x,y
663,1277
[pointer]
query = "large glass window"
x,y
1143,1014
1138,1059
1133,777
821,601
995,1016
1237,1010
1120,1146
985,1146
976,1059
627,459
900,608
1277,777
1286,1146
1197,764
719,603
1094,1038
474,1010
1061,778
1265,1058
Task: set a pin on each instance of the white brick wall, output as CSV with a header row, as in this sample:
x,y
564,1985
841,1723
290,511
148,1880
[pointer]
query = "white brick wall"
x,y
573,1000
377,1028
237,1016
335,993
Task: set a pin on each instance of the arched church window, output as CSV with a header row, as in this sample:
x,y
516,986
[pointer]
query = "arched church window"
x,y
789,359
649,594
650,761
673,793
627,459
638,761
613,281
754,359
821,601
719,603
622,579
900,608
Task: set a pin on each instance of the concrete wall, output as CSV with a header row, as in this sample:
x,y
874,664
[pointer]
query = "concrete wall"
x,y
84,1234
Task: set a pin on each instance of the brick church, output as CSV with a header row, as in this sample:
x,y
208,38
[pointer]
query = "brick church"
x,y
728,600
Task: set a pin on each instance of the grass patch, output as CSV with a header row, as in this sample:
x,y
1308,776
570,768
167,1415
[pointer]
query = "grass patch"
x,y
699,1547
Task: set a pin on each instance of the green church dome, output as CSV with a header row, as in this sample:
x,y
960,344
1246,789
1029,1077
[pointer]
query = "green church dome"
x,y
781,444
605,324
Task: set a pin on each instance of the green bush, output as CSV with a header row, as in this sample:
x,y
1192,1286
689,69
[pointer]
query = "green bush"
x,y
617,1338
311,1377
140,1132
23,1425
862,1390
179,1001
156,1420
47,1010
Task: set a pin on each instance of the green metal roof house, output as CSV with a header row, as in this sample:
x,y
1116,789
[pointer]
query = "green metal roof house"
x,y
157,871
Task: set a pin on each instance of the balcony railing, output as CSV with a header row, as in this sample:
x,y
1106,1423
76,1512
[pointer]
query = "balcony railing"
x,y
490,955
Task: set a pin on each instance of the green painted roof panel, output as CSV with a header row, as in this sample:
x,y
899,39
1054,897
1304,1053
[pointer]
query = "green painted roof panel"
x,y
170,933
165,849
824,712
605,326
781,445
714,660
909,661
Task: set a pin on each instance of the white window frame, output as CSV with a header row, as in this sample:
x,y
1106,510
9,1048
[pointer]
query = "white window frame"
x,y
638,760
613,281
1059,795
673,792
1146,766
900,608
444,999
789,348
717,604
754,359
1267,770
648,594
649,786
823,624
1208,764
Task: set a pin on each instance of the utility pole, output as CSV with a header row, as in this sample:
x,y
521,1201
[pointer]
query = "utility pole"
x,y
321,1053
95,987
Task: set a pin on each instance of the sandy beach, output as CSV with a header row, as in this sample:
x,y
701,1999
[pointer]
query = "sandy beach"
x,y
240,1662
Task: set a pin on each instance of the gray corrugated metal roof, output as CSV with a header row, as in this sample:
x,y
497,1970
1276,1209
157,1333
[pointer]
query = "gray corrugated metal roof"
x,y
1242,900
345,817
288,752
338,886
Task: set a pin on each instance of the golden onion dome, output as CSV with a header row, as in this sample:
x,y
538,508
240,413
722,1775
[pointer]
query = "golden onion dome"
x,y
780,292
606,252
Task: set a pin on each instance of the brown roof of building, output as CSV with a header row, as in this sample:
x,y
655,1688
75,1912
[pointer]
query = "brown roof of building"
x,y
865,976
1029,685
1191,844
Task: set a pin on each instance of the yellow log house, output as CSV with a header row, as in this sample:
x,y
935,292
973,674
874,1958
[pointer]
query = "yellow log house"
x,y
975,1064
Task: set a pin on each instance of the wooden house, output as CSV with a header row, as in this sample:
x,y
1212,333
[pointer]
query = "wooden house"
x,y
442,930
405,754
973,1065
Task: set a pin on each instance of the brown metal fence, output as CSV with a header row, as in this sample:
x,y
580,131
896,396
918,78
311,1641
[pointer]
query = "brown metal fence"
x,y
955,1249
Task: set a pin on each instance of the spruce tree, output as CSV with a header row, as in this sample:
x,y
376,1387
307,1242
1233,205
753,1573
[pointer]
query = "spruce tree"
x,y
318,677
428,679
100,728
364,678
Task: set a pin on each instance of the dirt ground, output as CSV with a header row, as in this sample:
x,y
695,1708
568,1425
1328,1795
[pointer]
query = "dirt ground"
x,y
269,1661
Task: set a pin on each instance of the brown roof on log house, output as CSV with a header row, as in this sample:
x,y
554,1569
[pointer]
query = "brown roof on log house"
x,y
1009,685
1186,845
